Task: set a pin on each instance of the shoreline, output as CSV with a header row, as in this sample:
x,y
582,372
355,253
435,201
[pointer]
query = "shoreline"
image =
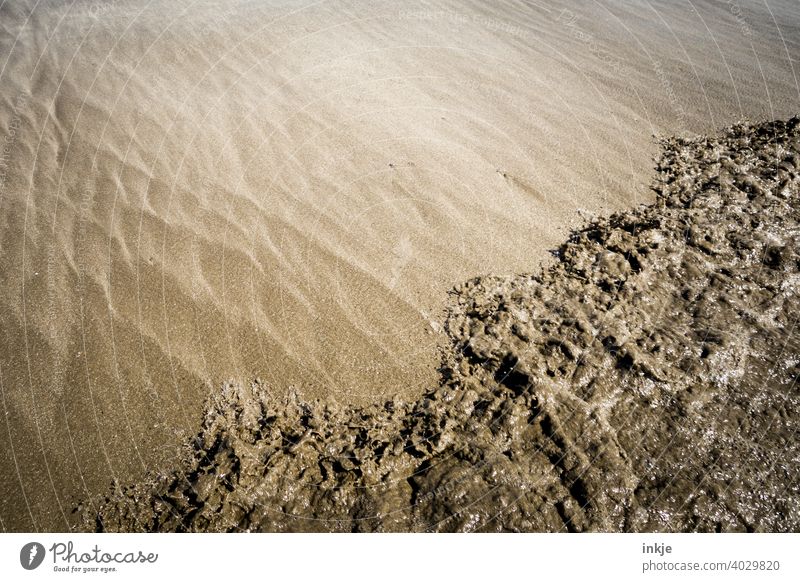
x,y
197,192
651,371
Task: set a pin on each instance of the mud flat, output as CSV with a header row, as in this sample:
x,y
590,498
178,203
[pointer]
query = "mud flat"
x,y
647,381
201,191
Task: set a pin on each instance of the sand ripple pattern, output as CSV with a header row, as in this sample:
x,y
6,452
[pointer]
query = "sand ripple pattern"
x,y
645,382
195,192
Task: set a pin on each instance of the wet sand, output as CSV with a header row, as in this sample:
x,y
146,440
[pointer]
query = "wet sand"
x,y
195,193
648,381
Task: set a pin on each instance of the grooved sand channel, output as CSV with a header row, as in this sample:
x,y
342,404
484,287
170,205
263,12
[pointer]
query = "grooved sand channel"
x,y
201,192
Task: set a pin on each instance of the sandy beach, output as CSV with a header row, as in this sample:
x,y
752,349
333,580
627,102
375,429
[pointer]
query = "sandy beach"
x,y
196,194
644,382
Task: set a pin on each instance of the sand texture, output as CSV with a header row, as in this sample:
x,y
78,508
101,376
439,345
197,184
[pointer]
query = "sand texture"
x,y
195,193
645,382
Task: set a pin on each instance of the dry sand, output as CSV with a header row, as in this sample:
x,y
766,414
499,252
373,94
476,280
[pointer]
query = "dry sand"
x,y
199,191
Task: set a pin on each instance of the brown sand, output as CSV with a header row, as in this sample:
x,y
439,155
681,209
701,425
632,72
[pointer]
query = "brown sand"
x,y
645,382
200,191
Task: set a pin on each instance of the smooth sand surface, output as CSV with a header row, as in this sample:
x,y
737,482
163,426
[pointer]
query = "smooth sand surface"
x,y
192,192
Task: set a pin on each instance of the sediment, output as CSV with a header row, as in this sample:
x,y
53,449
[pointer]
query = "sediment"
x,y
646,381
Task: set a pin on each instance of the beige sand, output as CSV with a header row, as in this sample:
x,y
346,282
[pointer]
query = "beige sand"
x,y
198,191
646,381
